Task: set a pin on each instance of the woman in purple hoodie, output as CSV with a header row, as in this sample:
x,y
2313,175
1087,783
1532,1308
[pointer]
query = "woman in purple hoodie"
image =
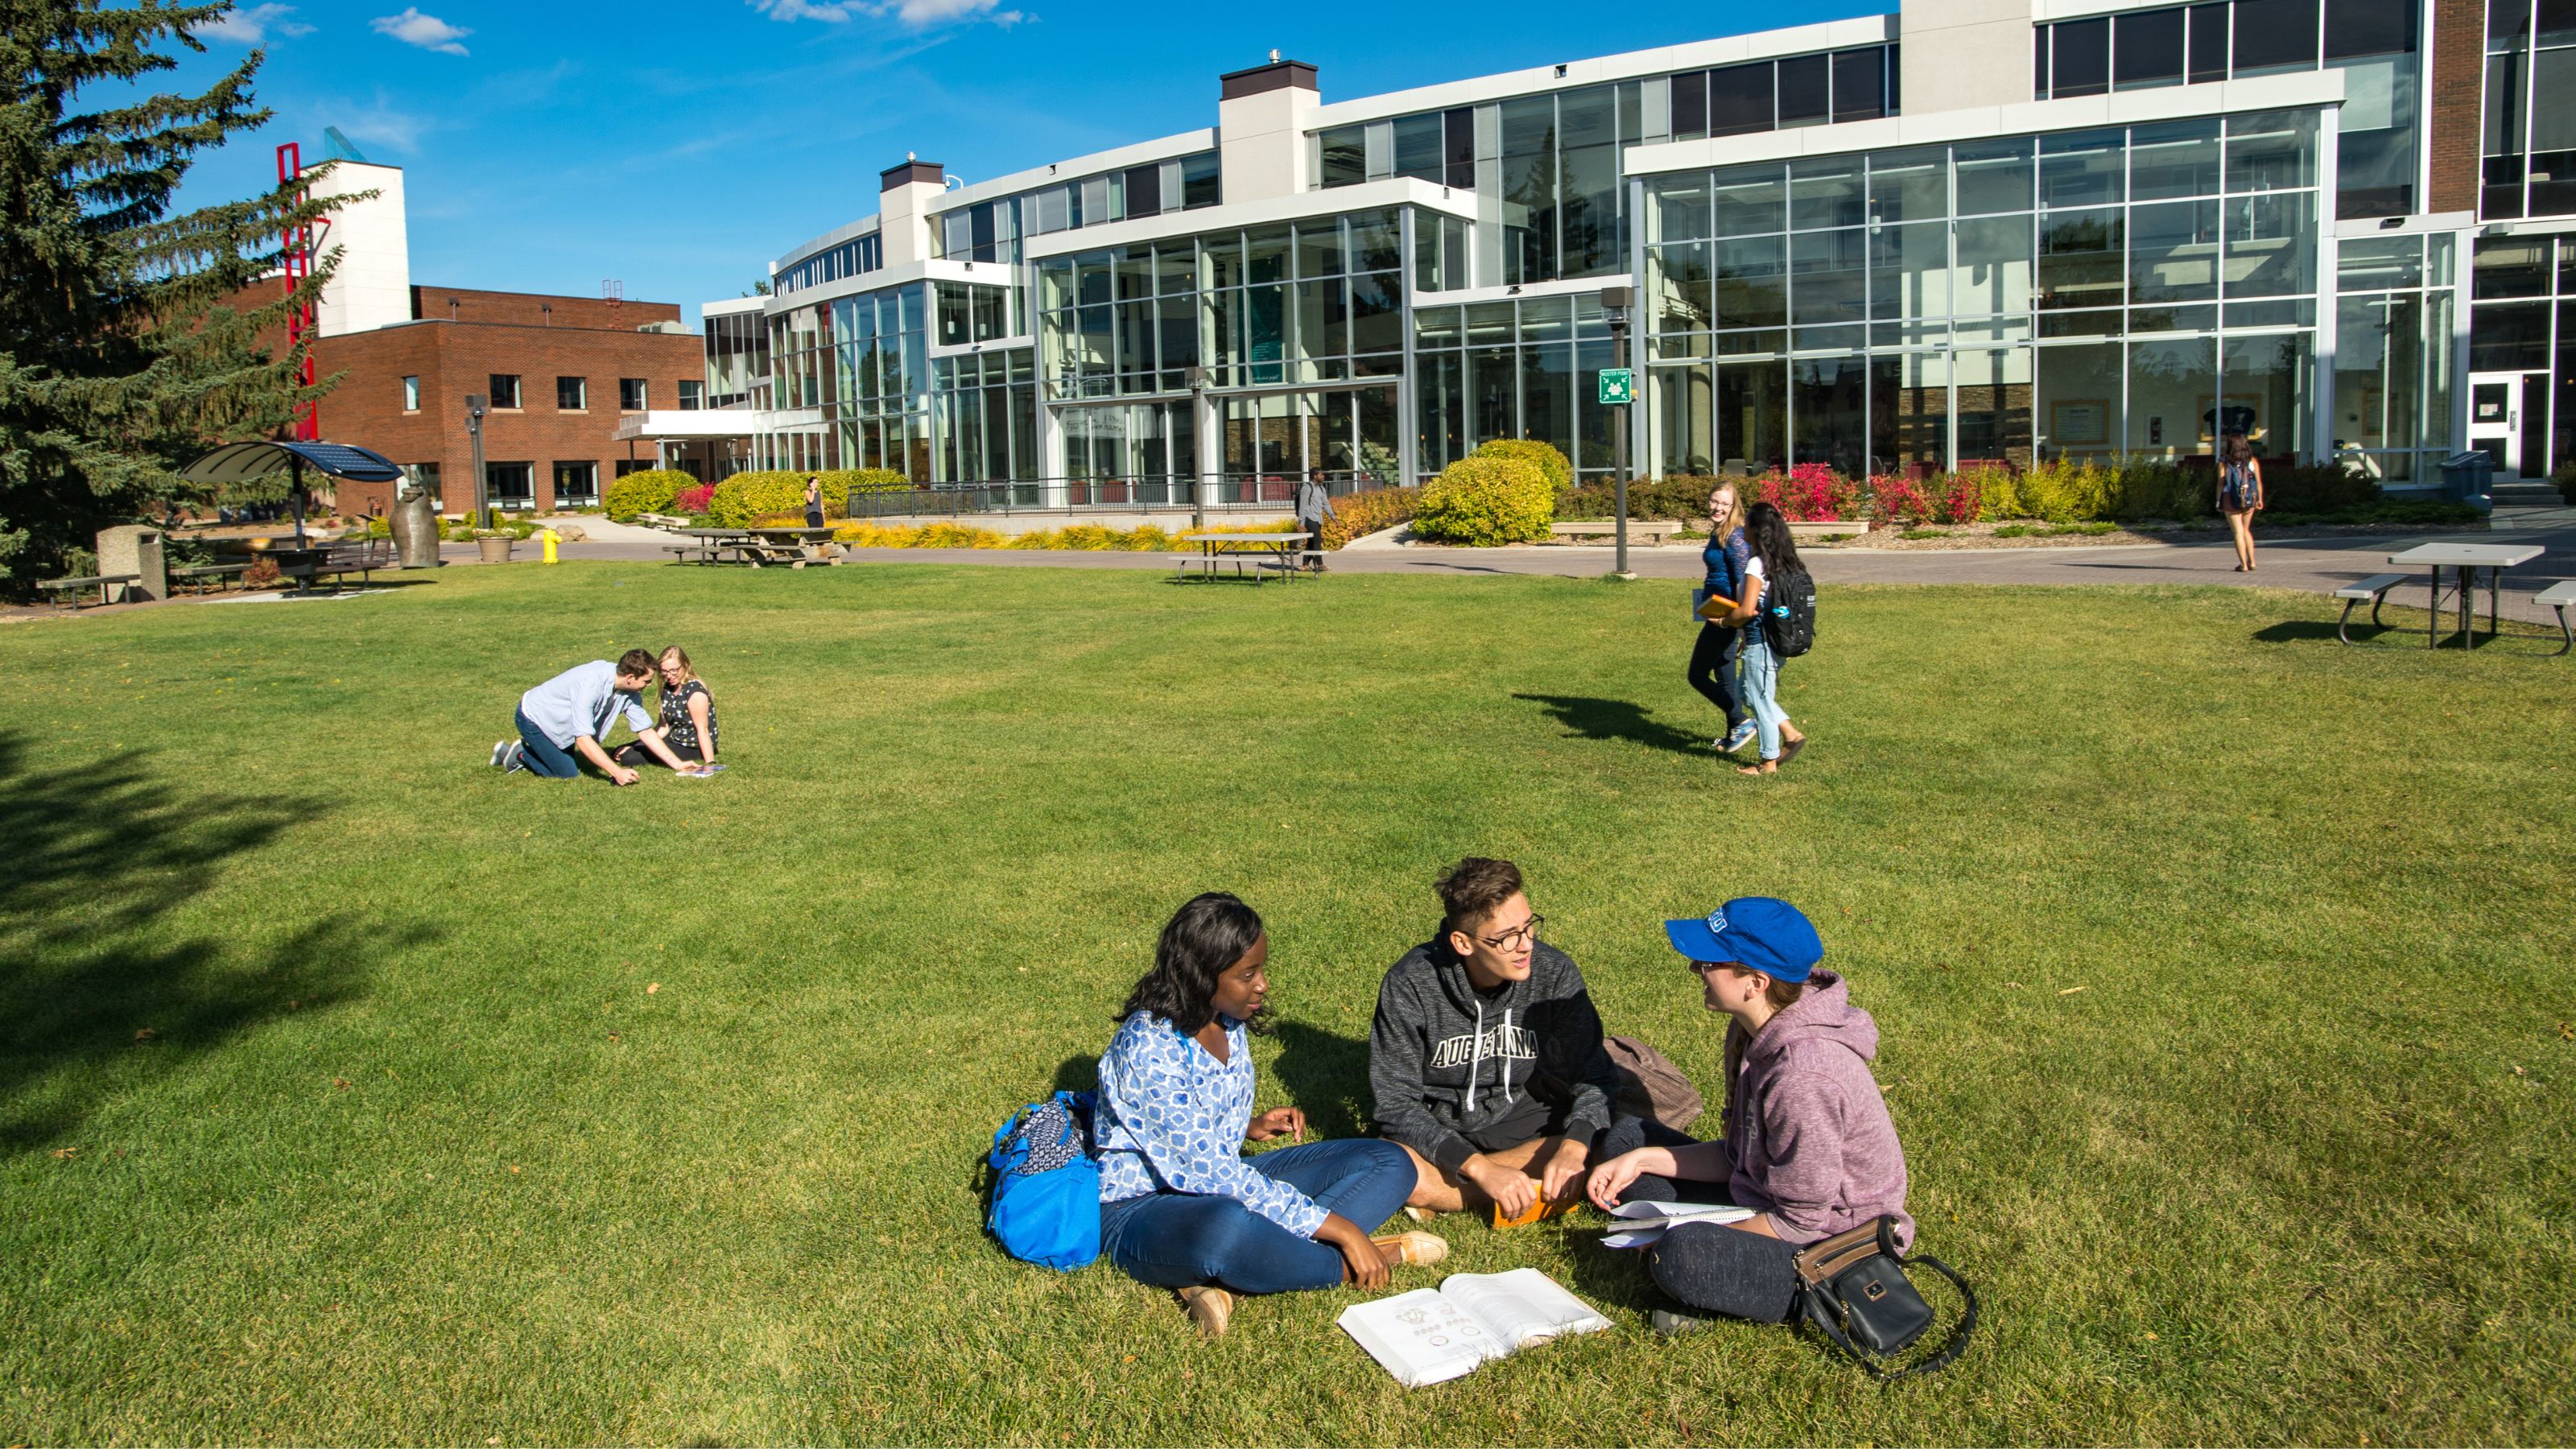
x,y
1808,1145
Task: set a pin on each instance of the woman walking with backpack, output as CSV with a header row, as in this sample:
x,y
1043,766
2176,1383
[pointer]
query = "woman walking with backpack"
x,y
1773,578
1721,632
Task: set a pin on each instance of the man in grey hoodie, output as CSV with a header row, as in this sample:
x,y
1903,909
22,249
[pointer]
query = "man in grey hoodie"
x,y
1486,1058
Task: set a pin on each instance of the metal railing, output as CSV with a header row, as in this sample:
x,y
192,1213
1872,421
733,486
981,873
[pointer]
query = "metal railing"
x,y
1146,494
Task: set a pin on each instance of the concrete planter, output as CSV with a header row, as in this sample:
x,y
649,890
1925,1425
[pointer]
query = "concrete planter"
x,y
494,550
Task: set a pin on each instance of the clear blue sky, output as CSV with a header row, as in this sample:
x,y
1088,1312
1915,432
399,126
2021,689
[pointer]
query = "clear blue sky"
x,y
678,145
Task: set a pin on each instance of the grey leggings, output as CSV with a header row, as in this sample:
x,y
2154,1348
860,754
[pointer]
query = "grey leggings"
x,y
1716,1269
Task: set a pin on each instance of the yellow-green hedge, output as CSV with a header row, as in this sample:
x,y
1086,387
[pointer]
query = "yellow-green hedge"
x,y
1486,500
746,496
1558,469
646,492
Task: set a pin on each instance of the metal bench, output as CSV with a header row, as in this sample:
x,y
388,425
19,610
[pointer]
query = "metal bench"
x,y
360,556
2375,590
217,575
2557,597
102,582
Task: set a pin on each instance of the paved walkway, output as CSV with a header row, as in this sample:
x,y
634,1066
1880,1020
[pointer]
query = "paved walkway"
x,y
2318,565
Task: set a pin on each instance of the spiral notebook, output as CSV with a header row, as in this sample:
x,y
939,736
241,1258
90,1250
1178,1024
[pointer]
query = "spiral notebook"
x,y
1432,1335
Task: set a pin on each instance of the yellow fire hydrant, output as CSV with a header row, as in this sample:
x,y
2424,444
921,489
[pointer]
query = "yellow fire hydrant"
x,y
549,538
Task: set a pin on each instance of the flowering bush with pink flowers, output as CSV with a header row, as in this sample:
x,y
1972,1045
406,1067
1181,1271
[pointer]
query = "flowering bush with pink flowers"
x,y
694,500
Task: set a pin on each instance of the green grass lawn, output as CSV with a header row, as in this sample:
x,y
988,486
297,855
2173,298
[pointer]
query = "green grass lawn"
x,y
2223,975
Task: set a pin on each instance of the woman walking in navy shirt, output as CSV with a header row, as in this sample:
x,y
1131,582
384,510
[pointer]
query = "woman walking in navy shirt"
x,y
1180,1206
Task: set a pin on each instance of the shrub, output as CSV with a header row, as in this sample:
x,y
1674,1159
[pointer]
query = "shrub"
x,y
1959,500
1484,501
1897,499
1680,497
1360,514
2316,488
646,492
1552,464
2565,479
745,496
693,499
1807,493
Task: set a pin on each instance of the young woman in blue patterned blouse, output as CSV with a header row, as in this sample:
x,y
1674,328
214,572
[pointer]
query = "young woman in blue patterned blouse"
x,y
1181,1207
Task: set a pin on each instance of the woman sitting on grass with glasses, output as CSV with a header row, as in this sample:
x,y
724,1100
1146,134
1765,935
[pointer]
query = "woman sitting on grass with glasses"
x,y
686,737
1808,1146
1180,1205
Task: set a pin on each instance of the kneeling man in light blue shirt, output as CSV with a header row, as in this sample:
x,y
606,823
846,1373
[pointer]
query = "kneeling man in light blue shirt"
x,y
573,711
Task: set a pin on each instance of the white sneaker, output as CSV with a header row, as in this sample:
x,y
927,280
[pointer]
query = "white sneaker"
x,y
515,758
500,752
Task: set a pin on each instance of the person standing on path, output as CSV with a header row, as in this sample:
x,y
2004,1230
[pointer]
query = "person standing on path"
x,y
2240,495
1713,656
1314,505
813,502
1774,556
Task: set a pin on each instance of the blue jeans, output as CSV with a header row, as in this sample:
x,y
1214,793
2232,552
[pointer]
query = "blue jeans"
x,y
1175,1239
543,757
1762,690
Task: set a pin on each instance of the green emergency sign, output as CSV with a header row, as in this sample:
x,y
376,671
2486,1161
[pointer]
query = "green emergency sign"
x,y
1618,385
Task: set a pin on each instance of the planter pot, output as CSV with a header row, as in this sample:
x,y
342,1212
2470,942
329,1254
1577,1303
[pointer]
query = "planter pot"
x,y
494,550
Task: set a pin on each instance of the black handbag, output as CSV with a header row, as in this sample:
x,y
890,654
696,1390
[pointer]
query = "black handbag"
x,y
1852,1287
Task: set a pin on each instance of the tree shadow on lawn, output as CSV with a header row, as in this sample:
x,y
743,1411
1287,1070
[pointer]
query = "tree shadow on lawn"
x,y
89,968
1615,719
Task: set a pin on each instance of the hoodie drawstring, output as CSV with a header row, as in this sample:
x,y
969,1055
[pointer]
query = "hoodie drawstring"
x,y
1506,1054
1475,1066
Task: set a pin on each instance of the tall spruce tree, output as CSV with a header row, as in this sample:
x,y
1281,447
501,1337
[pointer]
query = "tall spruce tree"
x,y
119,357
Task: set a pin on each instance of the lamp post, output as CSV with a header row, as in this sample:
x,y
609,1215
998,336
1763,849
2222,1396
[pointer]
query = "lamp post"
x,y
474,434
1198,381
1614,309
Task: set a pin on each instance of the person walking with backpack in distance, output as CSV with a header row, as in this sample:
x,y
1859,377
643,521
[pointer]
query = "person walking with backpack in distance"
x,y
1721,633
1314,505
1180,1205
813,501
1780,591
2240,495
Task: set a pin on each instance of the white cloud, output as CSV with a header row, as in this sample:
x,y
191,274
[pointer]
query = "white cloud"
x,y
426,31
919,14
253,26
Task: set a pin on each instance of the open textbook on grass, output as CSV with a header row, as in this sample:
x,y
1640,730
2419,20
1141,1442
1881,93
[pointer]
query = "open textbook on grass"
x,y
1641,1223
1432,1335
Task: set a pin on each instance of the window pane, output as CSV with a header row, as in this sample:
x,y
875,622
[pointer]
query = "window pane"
x,y
1678,288
1992,423
2179,158
1831,423
1144,198
1319,248
1377,314
2080,58
2508,338
1528,125
1804,91
2079,400
1909,270
2369,27
1588,117
1345,155
2080,259
1830,276
1265,253
1201,180
2272,376
1993,273
1680,207
1751,283
1826,193
2173,252
1993,176
2271,245
1377,241
1739,99
1690,104
2172,386
2275,35
2271,152
2510,267
2081,169
2148,51
1909,185
1417,147
1753,414
1909,404
1749,200
1860,84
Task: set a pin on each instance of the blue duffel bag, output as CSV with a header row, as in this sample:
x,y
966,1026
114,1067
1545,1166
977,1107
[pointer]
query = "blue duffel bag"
x,y
1046,1188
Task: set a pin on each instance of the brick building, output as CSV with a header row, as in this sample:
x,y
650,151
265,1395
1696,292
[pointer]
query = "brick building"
x,y
560,375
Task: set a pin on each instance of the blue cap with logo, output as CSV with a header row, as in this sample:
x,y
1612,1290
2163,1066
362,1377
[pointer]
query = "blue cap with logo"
x,y
1766,935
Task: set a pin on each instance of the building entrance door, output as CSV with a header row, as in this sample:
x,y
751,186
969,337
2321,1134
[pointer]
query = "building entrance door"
x,y
2509,421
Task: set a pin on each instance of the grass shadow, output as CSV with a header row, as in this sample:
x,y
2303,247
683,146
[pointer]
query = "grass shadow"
x,y
1614,719
91,969
1327,1075
2310,631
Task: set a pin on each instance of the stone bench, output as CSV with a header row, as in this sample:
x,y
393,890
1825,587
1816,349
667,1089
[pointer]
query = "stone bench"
x,y
102,582
1649,532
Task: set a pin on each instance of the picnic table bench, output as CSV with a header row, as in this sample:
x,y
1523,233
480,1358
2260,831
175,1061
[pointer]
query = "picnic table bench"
x,y
102,582
360,556
218,575
2557,597
2375,590
758,547
1280,553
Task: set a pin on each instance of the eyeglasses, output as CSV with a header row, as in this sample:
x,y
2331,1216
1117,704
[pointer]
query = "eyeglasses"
x,y
1517,936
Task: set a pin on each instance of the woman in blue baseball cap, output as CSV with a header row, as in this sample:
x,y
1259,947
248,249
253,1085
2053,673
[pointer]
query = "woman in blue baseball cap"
x,y
1808,1145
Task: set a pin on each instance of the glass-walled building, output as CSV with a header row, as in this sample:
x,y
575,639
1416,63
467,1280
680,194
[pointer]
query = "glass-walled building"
x,y
1867,243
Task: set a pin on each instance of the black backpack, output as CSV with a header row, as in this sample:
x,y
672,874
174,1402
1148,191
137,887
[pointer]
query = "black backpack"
x,y
1789,619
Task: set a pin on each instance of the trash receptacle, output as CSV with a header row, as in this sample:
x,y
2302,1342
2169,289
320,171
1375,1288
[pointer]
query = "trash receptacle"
x,y
2469,478
415,525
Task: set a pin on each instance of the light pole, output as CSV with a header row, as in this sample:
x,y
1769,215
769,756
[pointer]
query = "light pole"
x,y
1198,476
1614,308
474,434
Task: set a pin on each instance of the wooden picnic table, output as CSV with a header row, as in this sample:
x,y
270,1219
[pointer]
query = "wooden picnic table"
x,y
2465,559
794,547
1283,548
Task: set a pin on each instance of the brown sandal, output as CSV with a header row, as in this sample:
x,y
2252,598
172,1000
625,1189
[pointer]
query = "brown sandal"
x,y
1413,1249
